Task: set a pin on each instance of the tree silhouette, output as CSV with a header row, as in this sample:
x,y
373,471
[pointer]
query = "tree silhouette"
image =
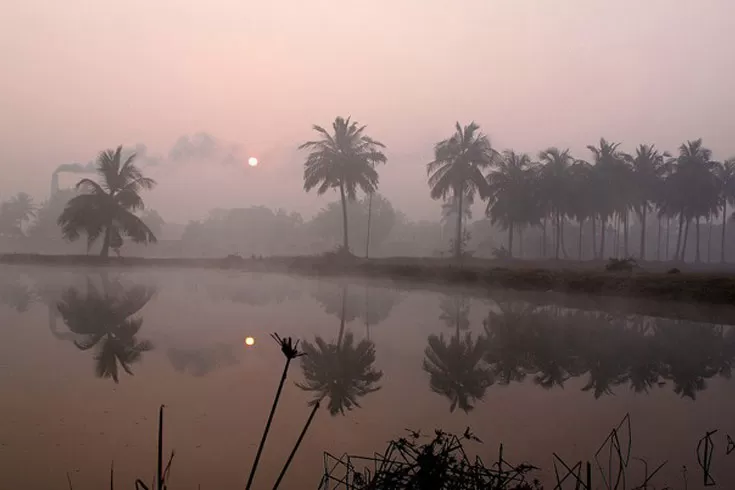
x,y
104,319
343,160
342,371
512,199
14,213
107,209
457,170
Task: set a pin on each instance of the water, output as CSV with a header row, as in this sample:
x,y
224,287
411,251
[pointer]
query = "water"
x,y
539,379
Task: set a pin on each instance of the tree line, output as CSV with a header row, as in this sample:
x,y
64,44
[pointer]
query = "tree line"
x,y
605,194
611,193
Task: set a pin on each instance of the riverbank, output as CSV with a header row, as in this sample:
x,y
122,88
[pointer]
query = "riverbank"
x,y
586,278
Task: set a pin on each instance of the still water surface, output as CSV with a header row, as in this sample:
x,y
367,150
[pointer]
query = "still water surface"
x,y
86,358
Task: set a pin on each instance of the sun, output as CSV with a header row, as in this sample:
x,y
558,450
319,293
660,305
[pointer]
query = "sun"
x,y
249,341
253,162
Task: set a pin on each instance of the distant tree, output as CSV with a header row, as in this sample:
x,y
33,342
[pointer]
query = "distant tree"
x,y
14,213
343,160
45,228
648,167
107,209
511,187
610,183
457,170
327,223
554,189
725,175
153,220
690,190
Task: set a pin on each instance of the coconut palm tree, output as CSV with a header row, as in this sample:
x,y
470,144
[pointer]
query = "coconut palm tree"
x,y
649,166
344,160
725,174
610,175
105,319
107,208
342,371
581,198
457,170
690,191
554,189
511,193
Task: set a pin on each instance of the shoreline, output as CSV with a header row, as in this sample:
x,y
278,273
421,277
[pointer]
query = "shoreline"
x,y
679,295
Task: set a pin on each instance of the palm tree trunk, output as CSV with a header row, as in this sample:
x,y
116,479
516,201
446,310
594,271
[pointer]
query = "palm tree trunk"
x,y
709,238
562,219
346,241
642,253
686,240
458,243
543,240
579,245
697,257
594,236
370,215
520,243
557,238
678,237
602,237
510,240
724,227
626,222
668,237
106,243
658,241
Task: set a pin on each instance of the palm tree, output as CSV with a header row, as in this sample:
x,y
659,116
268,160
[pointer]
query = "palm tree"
x,y
610,174
107,209
725,174
511,193
343,160
581,198
554,182
457,169
648,169
691,190
105,319
341,371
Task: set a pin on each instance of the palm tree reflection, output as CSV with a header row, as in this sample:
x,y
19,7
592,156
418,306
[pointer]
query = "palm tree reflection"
x,y
455,365
105,320
554,344
343,371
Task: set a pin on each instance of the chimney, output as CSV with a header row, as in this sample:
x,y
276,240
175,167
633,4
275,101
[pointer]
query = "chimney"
x,y
54,183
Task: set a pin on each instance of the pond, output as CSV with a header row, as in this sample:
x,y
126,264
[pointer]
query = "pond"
x,y
88,356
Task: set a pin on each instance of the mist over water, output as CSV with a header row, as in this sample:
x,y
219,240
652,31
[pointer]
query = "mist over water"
x,y
538,379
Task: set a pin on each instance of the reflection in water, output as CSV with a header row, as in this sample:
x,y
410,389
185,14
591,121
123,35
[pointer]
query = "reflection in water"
x,y
553,345
104,319
455,365
15,293
343,371
199,362
256,293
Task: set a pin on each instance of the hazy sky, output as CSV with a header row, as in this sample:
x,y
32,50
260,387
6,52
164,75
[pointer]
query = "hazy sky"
x,y
78,76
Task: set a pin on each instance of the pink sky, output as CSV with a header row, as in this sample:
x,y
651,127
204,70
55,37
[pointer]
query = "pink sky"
x,y
82,75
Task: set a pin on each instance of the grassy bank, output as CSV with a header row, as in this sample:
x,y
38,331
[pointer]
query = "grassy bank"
x,y
590,279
